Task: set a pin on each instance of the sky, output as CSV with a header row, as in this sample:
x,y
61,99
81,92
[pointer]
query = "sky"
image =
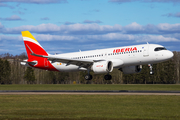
x,y
63,26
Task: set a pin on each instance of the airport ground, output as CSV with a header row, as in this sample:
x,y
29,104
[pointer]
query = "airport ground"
x,y
160,87
91,107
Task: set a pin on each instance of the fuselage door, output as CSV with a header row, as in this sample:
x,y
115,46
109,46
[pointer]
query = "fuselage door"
x,y
46,63
146,50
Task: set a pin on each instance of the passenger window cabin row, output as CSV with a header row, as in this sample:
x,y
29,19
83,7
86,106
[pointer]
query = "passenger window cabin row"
x,y
101,55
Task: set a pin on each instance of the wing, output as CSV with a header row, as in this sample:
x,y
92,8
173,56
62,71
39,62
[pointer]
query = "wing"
x,y
79,62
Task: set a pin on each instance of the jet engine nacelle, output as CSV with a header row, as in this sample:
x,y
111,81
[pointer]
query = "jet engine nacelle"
x,y
132,69
102,67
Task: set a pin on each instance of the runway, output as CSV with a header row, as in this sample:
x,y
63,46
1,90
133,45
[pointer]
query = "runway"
x,y
86,92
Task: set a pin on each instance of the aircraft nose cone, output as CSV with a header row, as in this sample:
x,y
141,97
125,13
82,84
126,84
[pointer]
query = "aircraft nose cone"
x,y
170,54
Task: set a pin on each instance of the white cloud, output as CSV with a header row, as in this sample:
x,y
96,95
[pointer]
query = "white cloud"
x,y
133,27
105,37
65,29
8,37
135,38
43,37
93,32
156,39
94,29
110,36
37,29
90,28
12,18
165,27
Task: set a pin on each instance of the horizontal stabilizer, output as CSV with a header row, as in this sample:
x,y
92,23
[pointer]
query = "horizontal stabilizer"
x,y
26,63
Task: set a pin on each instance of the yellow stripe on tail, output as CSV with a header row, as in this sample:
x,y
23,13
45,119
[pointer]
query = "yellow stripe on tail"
x,y
28,34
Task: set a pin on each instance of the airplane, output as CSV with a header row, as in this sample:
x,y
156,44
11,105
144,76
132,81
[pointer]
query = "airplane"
x,y
128,59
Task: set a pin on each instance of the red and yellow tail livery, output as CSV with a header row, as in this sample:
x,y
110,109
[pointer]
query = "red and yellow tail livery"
x,y
33,47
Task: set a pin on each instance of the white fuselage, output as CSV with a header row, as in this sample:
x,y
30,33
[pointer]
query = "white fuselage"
x,y
120,56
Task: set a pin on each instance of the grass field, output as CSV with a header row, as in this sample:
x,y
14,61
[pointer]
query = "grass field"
x,y
171,87
90,107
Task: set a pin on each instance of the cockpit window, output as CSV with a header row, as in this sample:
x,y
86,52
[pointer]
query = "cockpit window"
x,y
159,48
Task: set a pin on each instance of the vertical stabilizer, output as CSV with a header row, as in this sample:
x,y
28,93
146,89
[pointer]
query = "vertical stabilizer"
x,y
32,45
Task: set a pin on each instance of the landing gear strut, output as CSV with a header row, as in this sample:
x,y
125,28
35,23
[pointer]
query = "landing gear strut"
x,y
88,76
151,71
107,77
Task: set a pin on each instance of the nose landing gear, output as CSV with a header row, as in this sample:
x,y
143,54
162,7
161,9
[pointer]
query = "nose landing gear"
x,y
151,71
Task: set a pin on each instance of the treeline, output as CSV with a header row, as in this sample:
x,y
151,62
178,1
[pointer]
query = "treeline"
x,y
11,72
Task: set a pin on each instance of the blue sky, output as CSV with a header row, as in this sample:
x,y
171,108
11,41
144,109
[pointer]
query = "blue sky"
x,y
63,26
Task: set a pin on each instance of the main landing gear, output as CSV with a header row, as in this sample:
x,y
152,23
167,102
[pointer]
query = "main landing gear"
x,y
151,71
89,76
107,77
